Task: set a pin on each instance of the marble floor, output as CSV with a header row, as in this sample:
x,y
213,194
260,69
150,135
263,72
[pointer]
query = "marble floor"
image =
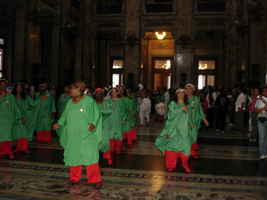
x,y
227,169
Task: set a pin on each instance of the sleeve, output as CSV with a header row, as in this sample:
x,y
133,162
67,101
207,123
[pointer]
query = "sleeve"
x,y
62,119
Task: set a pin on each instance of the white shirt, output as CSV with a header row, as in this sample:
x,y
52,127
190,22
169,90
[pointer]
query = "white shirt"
x,y
260,104
240,101
145,105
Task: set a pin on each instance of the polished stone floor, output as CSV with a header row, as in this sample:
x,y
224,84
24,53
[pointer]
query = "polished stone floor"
x,y
228,169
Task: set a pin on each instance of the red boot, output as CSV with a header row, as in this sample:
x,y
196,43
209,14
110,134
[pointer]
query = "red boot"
x,y
185,163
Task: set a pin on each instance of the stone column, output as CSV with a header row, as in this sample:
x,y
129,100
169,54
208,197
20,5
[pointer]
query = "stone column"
x,y
184,68
132,48
55,55
184,71
19,34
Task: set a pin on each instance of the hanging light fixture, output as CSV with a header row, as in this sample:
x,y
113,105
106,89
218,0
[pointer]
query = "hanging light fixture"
x,y
160,35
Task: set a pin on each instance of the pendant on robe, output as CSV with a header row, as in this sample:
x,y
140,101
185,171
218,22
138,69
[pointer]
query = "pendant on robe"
x,y
82,110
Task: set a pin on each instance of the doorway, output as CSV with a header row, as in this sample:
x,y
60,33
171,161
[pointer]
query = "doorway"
x,y
162,72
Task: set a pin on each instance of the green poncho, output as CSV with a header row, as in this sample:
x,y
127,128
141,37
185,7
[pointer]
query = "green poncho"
x,y
126,117
106,110
31,115
175,135
20,130
46,108
9,115
114,121
196,116
81,147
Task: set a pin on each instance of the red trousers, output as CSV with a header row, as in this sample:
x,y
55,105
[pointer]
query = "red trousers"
x,y
108,156
116,146
171,158
22,145
194,150
130,136
6,148
92,172
44,136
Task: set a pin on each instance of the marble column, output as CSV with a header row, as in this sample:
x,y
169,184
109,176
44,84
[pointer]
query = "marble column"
x,y
184,71
132,48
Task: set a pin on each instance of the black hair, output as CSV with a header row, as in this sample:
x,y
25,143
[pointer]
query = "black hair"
x,y
23,93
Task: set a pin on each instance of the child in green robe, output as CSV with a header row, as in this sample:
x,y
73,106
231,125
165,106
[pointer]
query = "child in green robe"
x,y
81,136
9,115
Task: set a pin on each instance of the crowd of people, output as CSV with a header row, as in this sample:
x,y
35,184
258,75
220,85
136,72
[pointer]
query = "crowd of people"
x,y
104,121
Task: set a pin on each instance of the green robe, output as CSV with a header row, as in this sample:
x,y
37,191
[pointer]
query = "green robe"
x,y
31,115
20,130
133,111
175,135
62,102
114,121
196,116
106,110
46,108
81,147
126,114
9,115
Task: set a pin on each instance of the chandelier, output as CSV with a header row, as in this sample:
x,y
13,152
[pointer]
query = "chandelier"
x,y
160,35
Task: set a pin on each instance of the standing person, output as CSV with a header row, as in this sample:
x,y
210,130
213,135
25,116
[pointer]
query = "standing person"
x,y
261,109
131,114
114,122
145,109
196,117
63,100
46,114
82,124
174,140
253,115
240,109
20,131
9,115
221,105
105,107
31,112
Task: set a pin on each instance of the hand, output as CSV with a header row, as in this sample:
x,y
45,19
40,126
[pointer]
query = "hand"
x,y
207,124
92,127
56,126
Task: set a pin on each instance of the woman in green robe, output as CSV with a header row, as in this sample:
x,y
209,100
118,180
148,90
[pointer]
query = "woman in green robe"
x,y
46,114
131,117
106,109
9,115
20,132
196,117
174,140
82,134
31,114
115,121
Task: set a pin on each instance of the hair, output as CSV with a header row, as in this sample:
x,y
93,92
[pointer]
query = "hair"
x,y
23,93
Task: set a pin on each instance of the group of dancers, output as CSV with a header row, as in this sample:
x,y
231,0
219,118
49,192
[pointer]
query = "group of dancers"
x,y
103,122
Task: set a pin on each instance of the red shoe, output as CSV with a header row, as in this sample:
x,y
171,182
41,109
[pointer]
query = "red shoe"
x,y
185,163
170,170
